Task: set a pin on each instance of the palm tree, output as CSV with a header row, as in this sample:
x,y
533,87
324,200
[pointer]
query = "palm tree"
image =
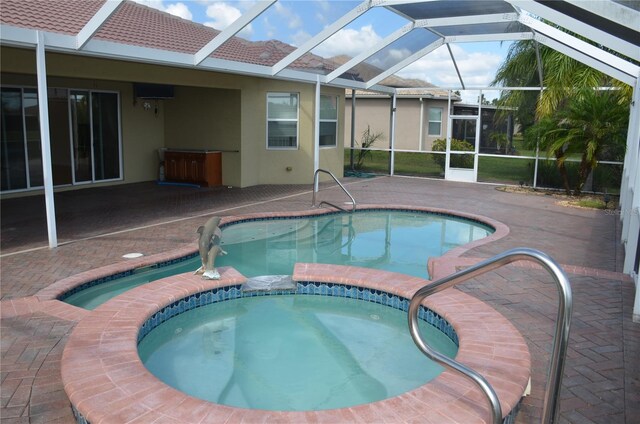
x,y
591,121
568,84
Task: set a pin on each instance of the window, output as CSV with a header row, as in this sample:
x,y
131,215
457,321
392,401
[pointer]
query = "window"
x,y
328,121
282,120
85,137
435,121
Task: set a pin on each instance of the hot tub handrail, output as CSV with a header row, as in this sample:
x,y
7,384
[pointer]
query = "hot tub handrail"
x,y
315,190
560,340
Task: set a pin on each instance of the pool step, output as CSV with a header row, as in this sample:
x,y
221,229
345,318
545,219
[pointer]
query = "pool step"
x,y
269,283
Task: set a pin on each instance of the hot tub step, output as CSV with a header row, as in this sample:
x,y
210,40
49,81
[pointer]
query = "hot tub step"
x,y
269,283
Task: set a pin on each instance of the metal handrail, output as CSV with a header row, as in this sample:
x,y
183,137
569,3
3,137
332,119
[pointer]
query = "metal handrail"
x,y
315,190
560,340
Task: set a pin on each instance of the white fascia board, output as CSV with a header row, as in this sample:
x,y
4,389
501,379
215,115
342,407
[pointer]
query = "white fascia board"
x,y
244,20
587,60
114,50
467,20
385,3
581,46
594,34
96,22
16,36
481,38
404,63
241,68
611,10
370,51
358,85
321,36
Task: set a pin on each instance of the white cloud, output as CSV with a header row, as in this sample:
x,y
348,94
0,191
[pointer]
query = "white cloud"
x,y
476,68
177,9
300,37
293,20
224,15
349,42
181,10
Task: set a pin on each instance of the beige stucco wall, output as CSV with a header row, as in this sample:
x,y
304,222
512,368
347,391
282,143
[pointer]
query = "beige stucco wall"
x,y
236,115
206,119
375,112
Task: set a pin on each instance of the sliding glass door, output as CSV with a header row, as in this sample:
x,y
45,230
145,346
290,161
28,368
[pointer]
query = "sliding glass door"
x,y
106,137
84,133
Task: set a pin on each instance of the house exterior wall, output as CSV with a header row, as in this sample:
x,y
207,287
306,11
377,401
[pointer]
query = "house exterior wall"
x,y
374,112
209,111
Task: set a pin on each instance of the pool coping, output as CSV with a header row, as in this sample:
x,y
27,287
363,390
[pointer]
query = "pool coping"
x,y
106,381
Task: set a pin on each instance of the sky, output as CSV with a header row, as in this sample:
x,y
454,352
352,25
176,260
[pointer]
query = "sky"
x,y
296,21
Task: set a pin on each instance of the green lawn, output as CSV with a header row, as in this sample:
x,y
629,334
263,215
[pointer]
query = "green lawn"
x,y
490,169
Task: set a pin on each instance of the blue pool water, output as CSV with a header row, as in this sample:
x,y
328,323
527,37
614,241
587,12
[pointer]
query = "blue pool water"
x,y
398,241
291,352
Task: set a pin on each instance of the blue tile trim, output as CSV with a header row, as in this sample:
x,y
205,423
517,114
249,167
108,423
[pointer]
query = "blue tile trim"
x,y
123,274
303,288
511,417
78,416
330,213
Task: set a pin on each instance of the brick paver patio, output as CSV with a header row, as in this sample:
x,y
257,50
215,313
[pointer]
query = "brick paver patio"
x,y
602,375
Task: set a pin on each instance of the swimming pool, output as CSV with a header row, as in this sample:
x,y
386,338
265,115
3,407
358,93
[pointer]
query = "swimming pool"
x,y
387,239
294,352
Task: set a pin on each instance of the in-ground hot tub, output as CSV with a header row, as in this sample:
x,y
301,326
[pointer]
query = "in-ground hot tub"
x,y
105,378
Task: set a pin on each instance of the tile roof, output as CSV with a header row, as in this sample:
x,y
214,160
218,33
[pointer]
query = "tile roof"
x,y
61,16
144,26
138,25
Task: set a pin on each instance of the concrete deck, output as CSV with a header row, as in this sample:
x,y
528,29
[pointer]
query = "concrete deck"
x,y
96,226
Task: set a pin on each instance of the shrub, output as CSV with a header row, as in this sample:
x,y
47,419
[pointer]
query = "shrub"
x,y
457,161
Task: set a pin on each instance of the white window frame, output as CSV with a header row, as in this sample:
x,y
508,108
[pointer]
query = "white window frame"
x,y
335,121
429,121
296,120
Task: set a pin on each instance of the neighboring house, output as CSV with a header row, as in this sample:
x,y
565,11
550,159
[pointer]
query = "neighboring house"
x,y
422,117
107,124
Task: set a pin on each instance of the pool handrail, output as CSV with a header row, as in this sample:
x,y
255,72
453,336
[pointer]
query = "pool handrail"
x,y
560,340
315,190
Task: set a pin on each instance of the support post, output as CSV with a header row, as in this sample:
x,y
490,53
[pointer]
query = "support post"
x,y
353,127
535,167
316,131
43,108
392,134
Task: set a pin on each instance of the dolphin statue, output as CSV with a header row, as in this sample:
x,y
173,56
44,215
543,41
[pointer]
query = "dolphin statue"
x,y
209,248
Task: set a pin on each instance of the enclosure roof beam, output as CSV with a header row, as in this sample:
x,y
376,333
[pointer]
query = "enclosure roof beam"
x,y
586,59
96,22
580,46
370,51
455,65
610,10
594,34
406,62
235,27
331,29
467,20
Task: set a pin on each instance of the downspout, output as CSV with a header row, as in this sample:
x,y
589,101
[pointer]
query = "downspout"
x,y
45,141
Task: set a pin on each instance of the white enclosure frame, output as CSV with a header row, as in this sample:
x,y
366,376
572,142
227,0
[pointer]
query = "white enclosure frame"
x,y
525,12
